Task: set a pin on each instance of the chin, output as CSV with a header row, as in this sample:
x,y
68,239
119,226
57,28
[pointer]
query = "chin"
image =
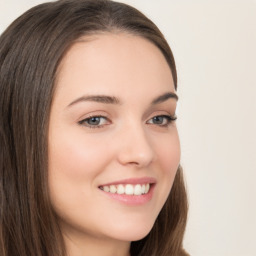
x,y
132,233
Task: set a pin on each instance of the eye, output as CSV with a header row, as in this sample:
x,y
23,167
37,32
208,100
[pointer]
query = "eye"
x,y
162,120
94,121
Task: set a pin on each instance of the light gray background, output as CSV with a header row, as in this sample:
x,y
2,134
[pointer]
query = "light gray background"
x,y
214,46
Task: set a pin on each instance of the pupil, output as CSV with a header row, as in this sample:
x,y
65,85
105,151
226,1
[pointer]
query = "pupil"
x,y
158,119
94,120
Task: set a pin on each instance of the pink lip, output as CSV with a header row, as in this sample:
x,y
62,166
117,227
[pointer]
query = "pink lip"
x,y
132,200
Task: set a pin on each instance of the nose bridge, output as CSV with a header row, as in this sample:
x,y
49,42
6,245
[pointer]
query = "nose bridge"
x,y
135,146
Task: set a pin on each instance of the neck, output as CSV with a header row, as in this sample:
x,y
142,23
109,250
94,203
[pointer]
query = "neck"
x,y
96,246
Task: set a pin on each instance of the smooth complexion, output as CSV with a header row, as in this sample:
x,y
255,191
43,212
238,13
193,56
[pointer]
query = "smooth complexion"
x,y
110,124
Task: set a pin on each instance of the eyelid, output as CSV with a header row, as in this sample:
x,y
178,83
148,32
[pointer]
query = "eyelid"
x,y
169,119
87,118
94,113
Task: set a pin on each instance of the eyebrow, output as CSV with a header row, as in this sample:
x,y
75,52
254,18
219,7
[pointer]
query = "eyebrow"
x,y
164,97
97,98
113,100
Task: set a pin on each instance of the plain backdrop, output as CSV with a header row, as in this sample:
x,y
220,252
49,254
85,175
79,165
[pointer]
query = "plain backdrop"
x,y
214,44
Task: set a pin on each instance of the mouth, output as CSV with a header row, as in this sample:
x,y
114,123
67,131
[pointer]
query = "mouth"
x,y
127,189
134,191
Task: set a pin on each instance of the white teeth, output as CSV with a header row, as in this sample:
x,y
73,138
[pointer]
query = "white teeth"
x,y
137,189
106,188
147,188
112,189
129,189
143,189
120,189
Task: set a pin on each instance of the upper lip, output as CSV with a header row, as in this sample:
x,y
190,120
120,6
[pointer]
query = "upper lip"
x,y
132,181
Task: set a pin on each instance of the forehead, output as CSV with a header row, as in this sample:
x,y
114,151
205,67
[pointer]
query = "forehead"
x,y
114,63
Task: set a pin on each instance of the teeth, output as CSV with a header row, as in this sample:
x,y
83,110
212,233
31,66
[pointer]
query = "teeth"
x,y
147,188
138,189
106,188
129,189
112,189
120,189
143,189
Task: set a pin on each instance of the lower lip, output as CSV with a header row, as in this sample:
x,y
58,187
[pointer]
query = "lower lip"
x,y
132,199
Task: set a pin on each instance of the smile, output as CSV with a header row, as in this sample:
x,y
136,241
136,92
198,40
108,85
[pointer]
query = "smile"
x,y
127,189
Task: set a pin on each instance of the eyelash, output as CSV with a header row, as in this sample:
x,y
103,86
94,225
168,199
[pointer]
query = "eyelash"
x,y
169,119
84,121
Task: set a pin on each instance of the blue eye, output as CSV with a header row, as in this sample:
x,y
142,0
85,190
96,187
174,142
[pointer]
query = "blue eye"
x,y
94,121
162,120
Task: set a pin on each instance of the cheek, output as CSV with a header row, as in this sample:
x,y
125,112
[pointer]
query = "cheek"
x,y
76,157
168,153
74,164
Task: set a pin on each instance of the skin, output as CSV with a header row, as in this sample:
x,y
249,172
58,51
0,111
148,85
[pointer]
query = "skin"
x,y
128,143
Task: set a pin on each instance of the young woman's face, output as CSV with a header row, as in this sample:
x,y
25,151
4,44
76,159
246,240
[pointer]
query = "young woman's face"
x,y
113,147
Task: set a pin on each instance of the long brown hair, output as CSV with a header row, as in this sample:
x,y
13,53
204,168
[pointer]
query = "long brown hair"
x,y
31,50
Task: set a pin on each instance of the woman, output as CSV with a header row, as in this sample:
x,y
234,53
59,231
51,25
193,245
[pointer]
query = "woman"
x,y
89,147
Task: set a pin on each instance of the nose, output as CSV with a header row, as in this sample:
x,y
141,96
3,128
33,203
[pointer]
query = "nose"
x,y
135,147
